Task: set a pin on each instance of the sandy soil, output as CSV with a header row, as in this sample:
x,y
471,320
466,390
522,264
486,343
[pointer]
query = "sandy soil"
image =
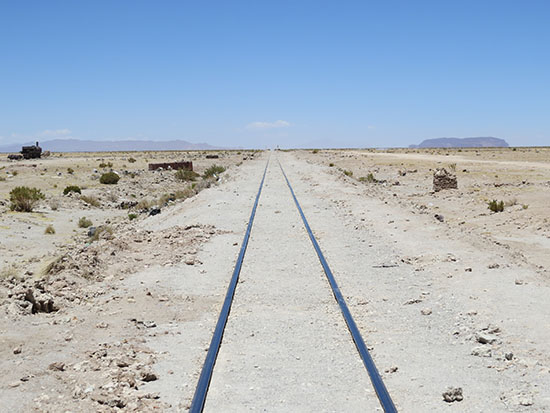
x,y
460,303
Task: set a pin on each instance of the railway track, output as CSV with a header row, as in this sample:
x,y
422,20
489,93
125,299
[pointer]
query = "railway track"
x,y
207,373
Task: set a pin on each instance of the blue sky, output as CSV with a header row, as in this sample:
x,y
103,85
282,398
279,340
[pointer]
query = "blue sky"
x,y
259,73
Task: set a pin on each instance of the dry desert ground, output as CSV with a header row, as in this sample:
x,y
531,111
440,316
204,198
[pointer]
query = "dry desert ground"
x,y
450,297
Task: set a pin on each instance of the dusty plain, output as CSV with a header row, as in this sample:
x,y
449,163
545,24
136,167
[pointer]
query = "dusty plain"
x,y
457,301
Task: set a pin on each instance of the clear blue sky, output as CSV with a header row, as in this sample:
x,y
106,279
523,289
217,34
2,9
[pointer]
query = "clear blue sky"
x,y
259,73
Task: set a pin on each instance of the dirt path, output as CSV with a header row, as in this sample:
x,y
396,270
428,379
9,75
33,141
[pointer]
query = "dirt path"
x,y
286,343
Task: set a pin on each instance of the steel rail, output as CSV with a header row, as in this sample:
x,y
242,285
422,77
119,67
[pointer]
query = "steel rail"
x,y
199,398
381,391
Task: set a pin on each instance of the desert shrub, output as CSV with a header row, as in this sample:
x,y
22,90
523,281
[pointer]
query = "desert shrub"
x,y
49,230
70,171
84,222
496,206
90,200
109,178
347,172
315,151
14,173
72,188
104,231
2,178
369,178
106,165
331,164
111,196
185,193
165,198
131,217
9,271
184,175
131,160
525,206
24,199
145,204
213,170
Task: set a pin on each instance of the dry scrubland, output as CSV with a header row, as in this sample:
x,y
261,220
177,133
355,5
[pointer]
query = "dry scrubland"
x,y
27,249
121,320
519,177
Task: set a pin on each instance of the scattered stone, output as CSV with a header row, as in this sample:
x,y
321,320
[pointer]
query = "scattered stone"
x,y
485,338
481,351
519,282
413,301
509,356
92,231
468,269
453,395
154,211
17,350
57,366
148,376
444,180
426,311
439,217
41,303
392,369
493,266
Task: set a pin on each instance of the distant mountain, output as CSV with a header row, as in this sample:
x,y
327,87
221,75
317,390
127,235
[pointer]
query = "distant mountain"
x,y
487,142
75,145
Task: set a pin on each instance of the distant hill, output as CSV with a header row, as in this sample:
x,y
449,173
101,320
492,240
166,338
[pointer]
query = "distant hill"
x,y
487,142
75,145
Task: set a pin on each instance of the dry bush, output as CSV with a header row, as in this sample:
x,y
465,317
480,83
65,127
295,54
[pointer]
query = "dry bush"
x,y
185,175
369,178
109,178
49,230
72,188
214,170
84,222
496,206
10,271
24,199
145,204
102,232
90,200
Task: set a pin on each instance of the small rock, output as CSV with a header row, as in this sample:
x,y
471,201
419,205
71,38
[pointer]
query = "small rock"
x,y
509,356
148,376
453,395
154,211
481,351
17,350
468,269
426,311
57,366
484,338
439,217
519,282
493,266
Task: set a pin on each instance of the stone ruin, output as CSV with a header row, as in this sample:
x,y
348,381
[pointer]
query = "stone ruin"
x,y
444,180
187,166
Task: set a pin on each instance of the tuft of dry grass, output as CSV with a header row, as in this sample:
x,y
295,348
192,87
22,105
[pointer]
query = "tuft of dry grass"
x,y
50,230
90,200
